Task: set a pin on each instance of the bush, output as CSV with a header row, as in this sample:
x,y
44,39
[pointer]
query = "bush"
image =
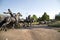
x,y
35,23
54,25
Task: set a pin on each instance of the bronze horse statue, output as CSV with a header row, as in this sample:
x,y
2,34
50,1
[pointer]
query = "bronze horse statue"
x,y
9,21
27,22
13,20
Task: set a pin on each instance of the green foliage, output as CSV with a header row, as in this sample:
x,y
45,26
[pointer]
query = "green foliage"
x,y
35,23
34,17
54,25
39,19
45,17
57,17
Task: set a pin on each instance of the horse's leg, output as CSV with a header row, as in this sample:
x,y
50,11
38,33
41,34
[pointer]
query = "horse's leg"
x,y
4,25
5,28
1,29
23,24
13,26
30,24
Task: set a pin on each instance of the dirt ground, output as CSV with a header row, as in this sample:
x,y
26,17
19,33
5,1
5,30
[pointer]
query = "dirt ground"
x,y
30,34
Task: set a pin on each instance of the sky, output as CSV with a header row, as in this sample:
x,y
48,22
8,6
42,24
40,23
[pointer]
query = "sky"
x,y
30,7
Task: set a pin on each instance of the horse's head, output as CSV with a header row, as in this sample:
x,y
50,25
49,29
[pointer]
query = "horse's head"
x,y
9,12
19,14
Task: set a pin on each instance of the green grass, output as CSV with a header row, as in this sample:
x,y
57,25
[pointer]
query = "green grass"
x,y
55,24
35,23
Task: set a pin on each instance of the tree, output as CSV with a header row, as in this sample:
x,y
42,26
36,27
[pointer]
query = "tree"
x,y
45,17
34,17
39,19
57,17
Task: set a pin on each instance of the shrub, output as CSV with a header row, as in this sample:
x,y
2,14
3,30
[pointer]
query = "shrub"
x,y
54,25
